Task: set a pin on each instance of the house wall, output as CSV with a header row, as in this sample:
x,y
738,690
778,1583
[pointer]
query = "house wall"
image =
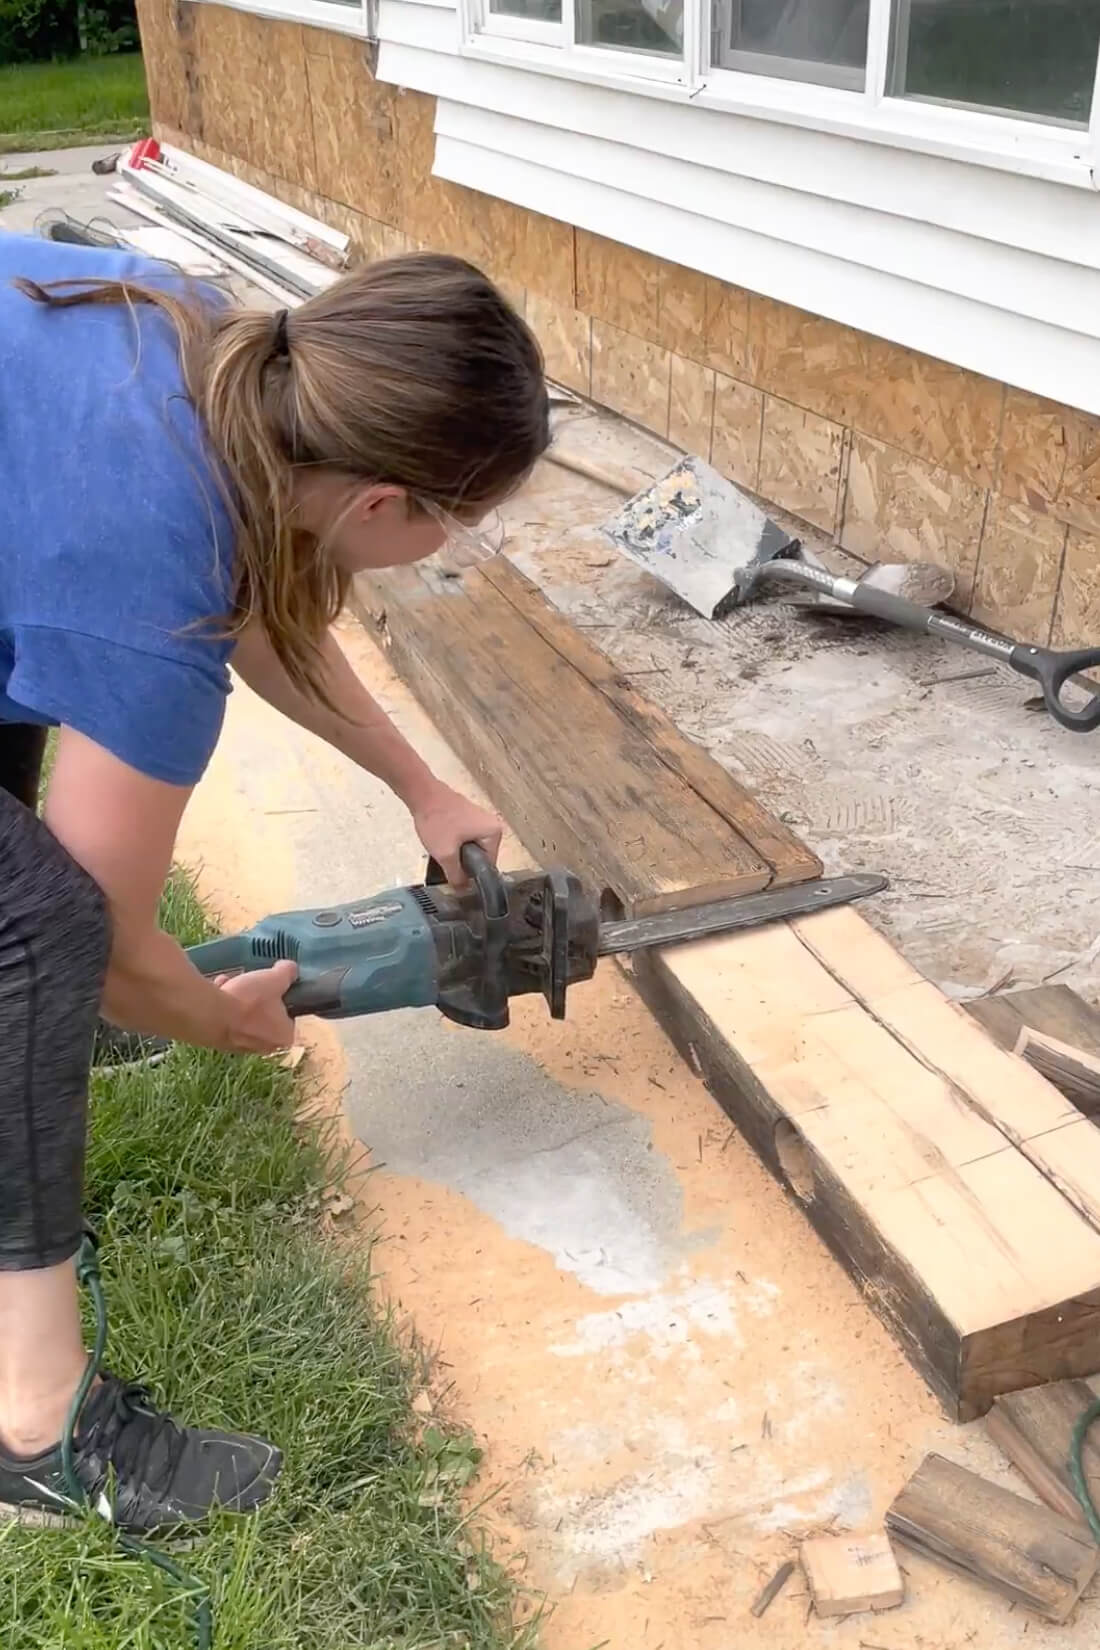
x,y
893,453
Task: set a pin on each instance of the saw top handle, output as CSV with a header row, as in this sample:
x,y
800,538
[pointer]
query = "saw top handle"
x,y
488,1007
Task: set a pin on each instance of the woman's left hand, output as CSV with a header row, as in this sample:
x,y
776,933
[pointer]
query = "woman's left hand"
x,y
446,820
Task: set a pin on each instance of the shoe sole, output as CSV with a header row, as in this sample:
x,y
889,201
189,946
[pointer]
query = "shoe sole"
x,y
182,1538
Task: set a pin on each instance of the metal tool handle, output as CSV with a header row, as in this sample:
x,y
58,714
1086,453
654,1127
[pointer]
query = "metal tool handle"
x,y
1052,671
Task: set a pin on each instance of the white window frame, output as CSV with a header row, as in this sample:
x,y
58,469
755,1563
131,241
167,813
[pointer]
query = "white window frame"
x,y
535,43
336,15
1060,154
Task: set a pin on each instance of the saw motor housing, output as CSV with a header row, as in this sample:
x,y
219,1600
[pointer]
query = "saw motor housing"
x,y
465,951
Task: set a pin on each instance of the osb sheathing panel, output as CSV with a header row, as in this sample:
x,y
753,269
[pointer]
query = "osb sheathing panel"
x,y
898,454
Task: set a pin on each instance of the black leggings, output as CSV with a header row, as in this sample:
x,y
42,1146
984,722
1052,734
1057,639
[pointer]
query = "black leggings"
x,y
54,942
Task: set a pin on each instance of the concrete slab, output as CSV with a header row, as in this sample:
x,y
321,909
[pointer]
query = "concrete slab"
x,y
72,187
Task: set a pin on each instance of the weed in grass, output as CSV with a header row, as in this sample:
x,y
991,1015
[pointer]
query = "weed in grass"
x,y
238,1312
8,197
27,172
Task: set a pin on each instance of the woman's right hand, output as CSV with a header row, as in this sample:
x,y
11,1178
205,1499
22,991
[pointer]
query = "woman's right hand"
x,y
261,1024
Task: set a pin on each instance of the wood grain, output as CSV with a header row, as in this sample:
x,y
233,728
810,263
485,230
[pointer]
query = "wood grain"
x,y
1034,1428
1018,1549
580,771
790,860
941,1219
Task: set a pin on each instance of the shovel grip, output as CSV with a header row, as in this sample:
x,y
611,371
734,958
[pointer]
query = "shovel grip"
x,y
1052,671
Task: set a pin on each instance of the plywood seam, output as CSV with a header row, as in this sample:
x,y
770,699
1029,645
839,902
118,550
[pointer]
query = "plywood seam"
x,y
964,1095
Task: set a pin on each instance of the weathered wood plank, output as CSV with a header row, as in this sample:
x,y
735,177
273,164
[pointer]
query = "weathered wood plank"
x,y
1018,1549
1034,1428
580,780
790,859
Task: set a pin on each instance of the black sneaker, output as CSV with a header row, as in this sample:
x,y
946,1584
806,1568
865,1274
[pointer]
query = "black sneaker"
x,y
116,1050
140,1470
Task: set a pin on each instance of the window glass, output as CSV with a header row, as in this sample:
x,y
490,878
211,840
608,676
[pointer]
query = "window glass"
x,y
816,40
1017,57
543,11
632,25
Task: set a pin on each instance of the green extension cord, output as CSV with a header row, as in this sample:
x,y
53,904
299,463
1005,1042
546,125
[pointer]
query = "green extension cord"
x,y
87,1274
1077,1468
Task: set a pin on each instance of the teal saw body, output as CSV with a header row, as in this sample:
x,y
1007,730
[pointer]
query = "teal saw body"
x,y
470,950
367,957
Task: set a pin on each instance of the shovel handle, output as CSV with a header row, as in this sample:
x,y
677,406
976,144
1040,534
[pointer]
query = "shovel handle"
x,y
1052,671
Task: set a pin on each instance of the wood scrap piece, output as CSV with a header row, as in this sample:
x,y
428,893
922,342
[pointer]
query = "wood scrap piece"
x,y
1034,1428
580,781
771,1589
847,1573
1015,1547
1056,1009
1073,1071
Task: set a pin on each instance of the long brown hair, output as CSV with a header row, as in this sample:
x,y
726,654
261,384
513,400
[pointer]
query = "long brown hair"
x,y
414,371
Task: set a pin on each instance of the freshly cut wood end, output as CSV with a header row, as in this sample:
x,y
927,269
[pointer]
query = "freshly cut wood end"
x,y
846,1573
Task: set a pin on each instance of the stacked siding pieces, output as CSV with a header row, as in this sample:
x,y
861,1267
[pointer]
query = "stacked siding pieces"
x,y
957,1187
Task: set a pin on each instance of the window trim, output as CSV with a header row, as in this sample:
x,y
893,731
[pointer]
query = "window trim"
x,y
336,15
1056,154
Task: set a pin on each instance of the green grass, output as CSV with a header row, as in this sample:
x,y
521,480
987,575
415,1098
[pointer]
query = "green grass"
x,y
226,1295
57,105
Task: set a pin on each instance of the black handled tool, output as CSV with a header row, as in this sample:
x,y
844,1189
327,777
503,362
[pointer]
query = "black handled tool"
x,y
713,545
1051,670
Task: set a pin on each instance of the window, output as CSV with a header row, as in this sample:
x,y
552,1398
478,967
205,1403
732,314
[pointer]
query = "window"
x,y
817,40
1034,59
961,76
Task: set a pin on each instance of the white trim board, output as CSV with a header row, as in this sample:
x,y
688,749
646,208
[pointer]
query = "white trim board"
x,y
318,14
1002,207
1033,354
1041,288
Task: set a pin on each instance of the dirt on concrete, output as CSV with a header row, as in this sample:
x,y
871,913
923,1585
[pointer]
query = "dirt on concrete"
x,y
885,750
673,1381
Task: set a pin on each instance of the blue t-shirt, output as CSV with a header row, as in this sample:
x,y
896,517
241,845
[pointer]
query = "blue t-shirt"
x,y
116,549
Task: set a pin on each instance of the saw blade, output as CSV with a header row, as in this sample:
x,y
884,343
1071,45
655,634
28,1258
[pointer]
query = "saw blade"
x,y
726,916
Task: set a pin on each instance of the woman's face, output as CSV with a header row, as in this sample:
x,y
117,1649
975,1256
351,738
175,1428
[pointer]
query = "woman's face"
x,y
365,526
375,525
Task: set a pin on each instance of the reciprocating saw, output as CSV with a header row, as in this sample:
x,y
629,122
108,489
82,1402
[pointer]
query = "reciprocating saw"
x,y
468,951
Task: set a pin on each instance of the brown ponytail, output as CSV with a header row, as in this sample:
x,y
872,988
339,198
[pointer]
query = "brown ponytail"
x,y
414,371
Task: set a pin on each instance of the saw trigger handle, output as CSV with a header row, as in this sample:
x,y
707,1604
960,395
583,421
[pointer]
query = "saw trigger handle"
x,y
481,1002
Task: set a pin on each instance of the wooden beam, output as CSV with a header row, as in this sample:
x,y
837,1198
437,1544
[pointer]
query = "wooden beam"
x,y
956,1187
581,766
942,1220
1016,1548
1034,1428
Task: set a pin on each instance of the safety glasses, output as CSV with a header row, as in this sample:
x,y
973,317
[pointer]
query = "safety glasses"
x,y
480,543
